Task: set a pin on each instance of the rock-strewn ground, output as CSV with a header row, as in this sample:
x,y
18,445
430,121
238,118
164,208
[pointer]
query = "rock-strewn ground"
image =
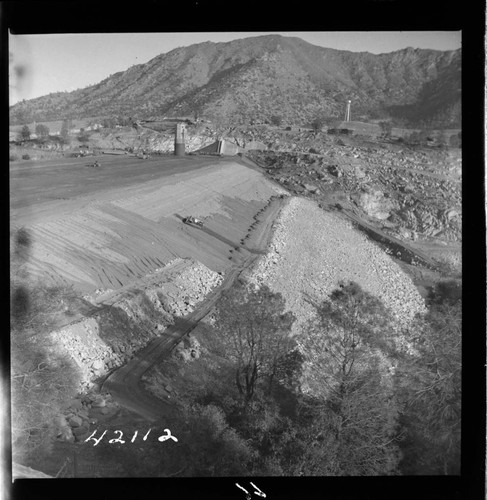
x,y
415,194
110,338
312,251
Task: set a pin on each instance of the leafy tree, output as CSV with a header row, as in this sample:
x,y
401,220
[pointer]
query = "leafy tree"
x,y
317,124
65,127
83,136
255,329
42,131
269,433
24,134
346,378
430,386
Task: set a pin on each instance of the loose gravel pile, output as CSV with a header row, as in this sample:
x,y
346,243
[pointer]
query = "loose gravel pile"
x,y
312,251
190,287
144,317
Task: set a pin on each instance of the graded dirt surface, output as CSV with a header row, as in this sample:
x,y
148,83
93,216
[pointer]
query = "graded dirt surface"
x,y
103,228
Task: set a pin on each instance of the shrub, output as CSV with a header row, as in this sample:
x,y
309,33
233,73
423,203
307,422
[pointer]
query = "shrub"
x,y
206,446
42,378
446,291
42,132
24,133
317,124
83,137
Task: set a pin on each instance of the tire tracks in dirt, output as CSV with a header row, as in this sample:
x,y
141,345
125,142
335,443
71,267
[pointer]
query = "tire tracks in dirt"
x,y
125,383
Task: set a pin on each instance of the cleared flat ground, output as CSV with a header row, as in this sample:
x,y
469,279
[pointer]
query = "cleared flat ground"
x,y
106,227
36,182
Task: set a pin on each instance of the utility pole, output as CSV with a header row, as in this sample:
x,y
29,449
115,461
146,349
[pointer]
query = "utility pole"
x,y
347,113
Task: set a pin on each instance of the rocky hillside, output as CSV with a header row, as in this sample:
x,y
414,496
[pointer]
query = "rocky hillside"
x,y
255,78
412,194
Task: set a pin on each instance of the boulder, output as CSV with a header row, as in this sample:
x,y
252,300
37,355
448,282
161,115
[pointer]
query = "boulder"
x,y
375,204
450,214
99,403
97,365
65,434
75,421
75,404
359,173
83,413
79,431
311,188
335,171
82,437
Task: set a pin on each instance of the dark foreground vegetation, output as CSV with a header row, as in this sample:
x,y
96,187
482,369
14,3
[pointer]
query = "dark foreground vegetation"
x,y
42,380
349,401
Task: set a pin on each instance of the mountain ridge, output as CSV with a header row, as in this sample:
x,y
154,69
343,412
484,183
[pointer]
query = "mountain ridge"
x,y
252,79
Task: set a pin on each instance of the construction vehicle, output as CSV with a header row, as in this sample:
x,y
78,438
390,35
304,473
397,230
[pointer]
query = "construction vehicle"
x,y
193,221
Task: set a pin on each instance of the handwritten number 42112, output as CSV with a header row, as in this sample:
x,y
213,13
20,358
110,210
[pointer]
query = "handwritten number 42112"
x,y
120,435
260,493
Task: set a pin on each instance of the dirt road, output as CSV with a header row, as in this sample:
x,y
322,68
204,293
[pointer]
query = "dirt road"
x,y
125,383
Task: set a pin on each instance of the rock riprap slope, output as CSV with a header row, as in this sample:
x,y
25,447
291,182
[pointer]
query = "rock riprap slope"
x,y
110,337
312,251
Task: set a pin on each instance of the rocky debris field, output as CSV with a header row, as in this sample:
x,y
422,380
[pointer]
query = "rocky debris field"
x,y
189,288
414,194
82,415
312,251
111,337
150,141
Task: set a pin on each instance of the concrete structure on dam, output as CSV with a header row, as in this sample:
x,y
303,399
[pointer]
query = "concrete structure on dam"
x,y
179,140
221,147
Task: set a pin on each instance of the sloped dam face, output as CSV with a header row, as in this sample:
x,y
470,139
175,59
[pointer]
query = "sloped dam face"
x,y
116,235
120,226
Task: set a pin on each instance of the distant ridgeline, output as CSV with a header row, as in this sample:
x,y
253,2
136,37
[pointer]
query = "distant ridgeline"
x,y
255,79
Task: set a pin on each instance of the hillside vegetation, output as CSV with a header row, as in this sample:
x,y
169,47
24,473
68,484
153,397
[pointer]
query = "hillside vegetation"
x,y
256,78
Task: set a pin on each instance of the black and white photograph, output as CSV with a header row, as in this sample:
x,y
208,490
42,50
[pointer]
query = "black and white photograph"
x,y
235,254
